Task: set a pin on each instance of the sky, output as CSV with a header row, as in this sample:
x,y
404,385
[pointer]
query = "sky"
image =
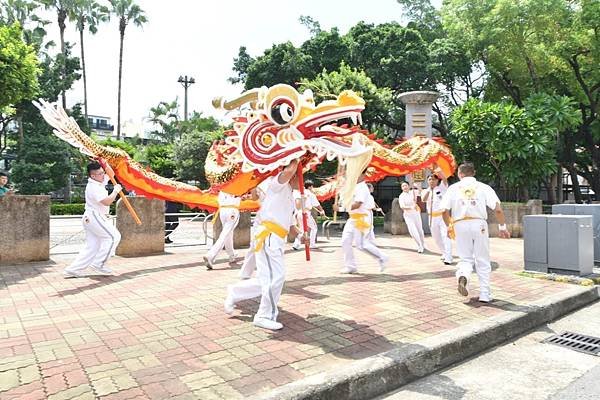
x,y
199,39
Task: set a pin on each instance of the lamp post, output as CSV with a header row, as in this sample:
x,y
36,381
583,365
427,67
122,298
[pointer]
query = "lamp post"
x,y
186,83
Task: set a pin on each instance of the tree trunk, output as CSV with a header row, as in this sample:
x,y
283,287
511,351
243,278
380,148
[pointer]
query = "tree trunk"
x,y
550,190
85,102
575,184
20,129
122,31
62,16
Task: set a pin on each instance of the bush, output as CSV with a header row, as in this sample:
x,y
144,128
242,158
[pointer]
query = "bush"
x,y
72,209
67,209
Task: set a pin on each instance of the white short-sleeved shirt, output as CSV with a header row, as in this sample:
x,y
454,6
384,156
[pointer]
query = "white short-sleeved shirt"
x,y
310,199
361,194
370,203
262,187
278,205
436,194
408,200
95,192
226,199
469,198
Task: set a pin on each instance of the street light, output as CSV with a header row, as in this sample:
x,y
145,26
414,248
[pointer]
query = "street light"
x,y
186,83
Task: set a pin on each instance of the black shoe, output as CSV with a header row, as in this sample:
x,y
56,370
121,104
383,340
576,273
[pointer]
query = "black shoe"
x,y
167,240
447,263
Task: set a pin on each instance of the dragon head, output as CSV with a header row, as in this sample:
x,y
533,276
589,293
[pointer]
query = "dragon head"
x,y
279,124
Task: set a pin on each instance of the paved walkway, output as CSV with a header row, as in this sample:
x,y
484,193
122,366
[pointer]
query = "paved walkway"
x,y
157,328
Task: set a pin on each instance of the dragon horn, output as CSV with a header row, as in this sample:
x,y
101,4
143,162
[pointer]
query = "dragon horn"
x,y
246,97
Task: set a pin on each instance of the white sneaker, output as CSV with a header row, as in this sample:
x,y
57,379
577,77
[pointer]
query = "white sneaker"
x,y
267,324
228,305
383,263
233,258
69,274
485,298
101,270
462,286
296,248
209,263
348,270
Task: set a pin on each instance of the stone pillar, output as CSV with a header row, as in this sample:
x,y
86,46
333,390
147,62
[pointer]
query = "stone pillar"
x,y
418,119
241,234
24,229
394,221
144,239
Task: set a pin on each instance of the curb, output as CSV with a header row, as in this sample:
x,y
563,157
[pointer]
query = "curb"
x,y
385,372
588,280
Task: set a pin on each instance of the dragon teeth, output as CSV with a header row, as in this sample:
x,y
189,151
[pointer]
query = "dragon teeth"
x,y
354,119
359,119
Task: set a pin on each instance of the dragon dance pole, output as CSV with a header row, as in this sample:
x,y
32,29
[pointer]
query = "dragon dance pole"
x,y
304,216
111,175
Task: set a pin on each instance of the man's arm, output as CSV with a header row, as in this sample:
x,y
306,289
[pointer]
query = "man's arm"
x,y
356,205
288,172
425,194
111,197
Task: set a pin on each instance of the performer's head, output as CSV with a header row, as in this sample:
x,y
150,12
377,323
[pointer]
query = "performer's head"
x,y
95,171
433,180
308,184
466,169
405,187
3,179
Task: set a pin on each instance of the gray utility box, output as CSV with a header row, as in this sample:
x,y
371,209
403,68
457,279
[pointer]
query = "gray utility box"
x,y
584,209
558,243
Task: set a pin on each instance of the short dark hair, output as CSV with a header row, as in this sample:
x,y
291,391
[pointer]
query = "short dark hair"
x,y
93,166
3,174
308,183
434,176
467,169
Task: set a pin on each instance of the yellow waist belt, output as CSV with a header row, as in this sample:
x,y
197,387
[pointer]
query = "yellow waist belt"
x,y
268,228
451,233
359,222
219,211
436,214
466,218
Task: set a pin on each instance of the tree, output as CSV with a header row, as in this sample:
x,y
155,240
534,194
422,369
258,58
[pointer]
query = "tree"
x,y
22,11
87,13
159,157
327,50
63,8
190,155
18,76
166,116
501,138
534,46
127,11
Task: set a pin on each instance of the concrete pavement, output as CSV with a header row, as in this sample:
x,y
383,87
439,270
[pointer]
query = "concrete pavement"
x,y
157,328
523,369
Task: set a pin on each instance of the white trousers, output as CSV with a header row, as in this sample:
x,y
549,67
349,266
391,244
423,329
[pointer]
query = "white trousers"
x,y
473,248
249,264
101,241
351,235
230,217
439,231
312,226
269,280
415,227
370,235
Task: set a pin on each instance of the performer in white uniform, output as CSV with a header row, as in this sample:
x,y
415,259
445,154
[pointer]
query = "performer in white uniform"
x,y
310,202
276,218
432,196
467,199
229,213
101,236
357,230
412,215
249,264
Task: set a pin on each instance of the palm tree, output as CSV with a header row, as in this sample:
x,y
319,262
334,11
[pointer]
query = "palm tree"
x,y
91,14
127,11
62,7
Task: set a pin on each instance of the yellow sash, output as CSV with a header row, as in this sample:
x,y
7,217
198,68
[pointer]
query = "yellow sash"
x,y
360,223
219,210
451,232
268,228
436,214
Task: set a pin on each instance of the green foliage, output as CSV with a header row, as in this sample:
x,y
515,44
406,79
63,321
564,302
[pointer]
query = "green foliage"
x,y
120,144
282,63
67,209
159,157
18,67
501,138
190,154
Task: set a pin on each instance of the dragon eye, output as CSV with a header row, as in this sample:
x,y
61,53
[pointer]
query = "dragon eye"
x,y
282,112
